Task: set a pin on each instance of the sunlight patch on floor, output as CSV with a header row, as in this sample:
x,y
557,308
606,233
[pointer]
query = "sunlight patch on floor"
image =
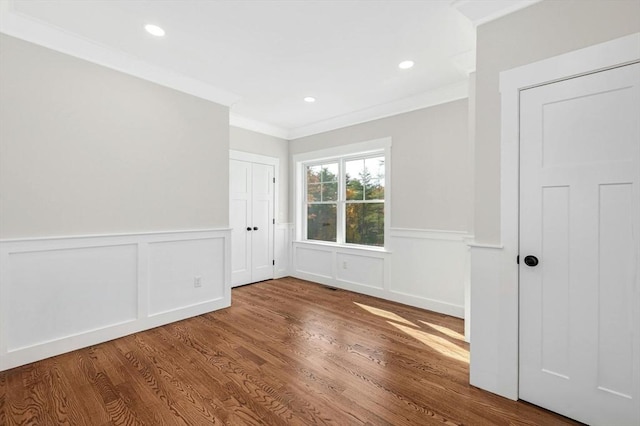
x,y
444,330
385,314
437,343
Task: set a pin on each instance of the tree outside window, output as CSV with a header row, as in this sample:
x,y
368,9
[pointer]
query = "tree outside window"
x,y
352,191
365,201
322,201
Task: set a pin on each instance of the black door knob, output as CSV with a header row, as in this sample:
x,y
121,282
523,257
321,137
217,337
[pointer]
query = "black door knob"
x,y
531,261
248,228
255,228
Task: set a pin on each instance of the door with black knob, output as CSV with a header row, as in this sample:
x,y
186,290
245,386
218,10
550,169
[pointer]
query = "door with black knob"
x,y
251,219
579,221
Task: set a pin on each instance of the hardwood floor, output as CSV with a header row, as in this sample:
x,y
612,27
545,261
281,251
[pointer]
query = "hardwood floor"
x,y
287,352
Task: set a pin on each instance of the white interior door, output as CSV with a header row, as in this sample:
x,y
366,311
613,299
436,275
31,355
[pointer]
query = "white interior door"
x,y
580,217
262,223
240,221
251,220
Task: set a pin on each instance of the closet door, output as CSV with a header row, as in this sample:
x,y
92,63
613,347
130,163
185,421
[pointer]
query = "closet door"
x,y
240,221
262,223
251,220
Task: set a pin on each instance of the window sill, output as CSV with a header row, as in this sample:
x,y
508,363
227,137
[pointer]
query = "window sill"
x,y
344,247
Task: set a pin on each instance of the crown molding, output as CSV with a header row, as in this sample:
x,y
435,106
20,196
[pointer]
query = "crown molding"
x,y
481,12
438,96
17,25
236,120
434,97
32,30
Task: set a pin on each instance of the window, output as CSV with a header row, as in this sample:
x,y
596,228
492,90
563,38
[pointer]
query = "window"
x,y
322,202
344,199
364,194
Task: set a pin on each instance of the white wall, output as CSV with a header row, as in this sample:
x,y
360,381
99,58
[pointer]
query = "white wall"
x,y
426,260
541,31
87,150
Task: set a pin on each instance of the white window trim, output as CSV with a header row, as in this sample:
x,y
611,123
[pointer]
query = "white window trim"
x,y
376,146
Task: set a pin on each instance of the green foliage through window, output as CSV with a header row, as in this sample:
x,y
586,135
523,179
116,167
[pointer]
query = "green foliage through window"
x,y
356,186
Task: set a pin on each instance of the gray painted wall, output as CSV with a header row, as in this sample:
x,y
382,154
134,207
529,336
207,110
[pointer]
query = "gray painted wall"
x,y
431,185
88,150
544,30
271,146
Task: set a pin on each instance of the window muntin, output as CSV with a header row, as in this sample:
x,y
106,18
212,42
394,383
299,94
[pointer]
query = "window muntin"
x,y
345,200
364,204
322,197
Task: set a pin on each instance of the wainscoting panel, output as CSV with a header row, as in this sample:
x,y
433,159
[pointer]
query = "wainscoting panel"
x,y
494,358
51,290
62,294
282,252
359,269
422,268
314,260
429,269
182,274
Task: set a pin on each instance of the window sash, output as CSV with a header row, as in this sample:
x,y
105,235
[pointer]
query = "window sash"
x,y
342,201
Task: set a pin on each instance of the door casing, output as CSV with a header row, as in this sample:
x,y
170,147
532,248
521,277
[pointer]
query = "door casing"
x,y
272,161
621,51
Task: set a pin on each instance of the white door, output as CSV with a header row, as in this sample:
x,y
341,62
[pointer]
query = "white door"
x,y
262,223
251,220
240,221
580,217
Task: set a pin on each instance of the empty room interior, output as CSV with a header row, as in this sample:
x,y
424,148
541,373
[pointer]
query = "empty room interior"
x,y
375,212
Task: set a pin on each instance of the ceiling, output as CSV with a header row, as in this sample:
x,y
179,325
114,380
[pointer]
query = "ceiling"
x,y
262,58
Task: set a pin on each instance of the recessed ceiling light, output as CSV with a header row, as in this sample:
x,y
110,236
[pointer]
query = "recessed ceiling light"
x,y
405,65
310,99
154,30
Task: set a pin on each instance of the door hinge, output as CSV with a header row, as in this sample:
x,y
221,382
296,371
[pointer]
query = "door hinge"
x,y
274,221
274,263
274,180
518,259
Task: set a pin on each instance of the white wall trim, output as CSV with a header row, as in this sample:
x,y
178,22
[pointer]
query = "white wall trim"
x,y
341,150
481,12
441,95
485,246
495,272
433,234
283,241
254,158
132,265
359,148
257,126
161,234
35,31
424,268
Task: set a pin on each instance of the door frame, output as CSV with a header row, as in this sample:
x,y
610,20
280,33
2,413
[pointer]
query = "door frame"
x,y
270,161
614,53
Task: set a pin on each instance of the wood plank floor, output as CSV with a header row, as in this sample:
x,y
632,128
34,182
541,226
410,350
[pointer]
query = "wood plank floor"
x,y
288,352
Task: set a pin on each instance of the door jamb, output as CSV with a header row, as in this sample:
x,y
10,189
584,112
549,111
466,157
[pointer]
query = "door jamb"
x,y
621,51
